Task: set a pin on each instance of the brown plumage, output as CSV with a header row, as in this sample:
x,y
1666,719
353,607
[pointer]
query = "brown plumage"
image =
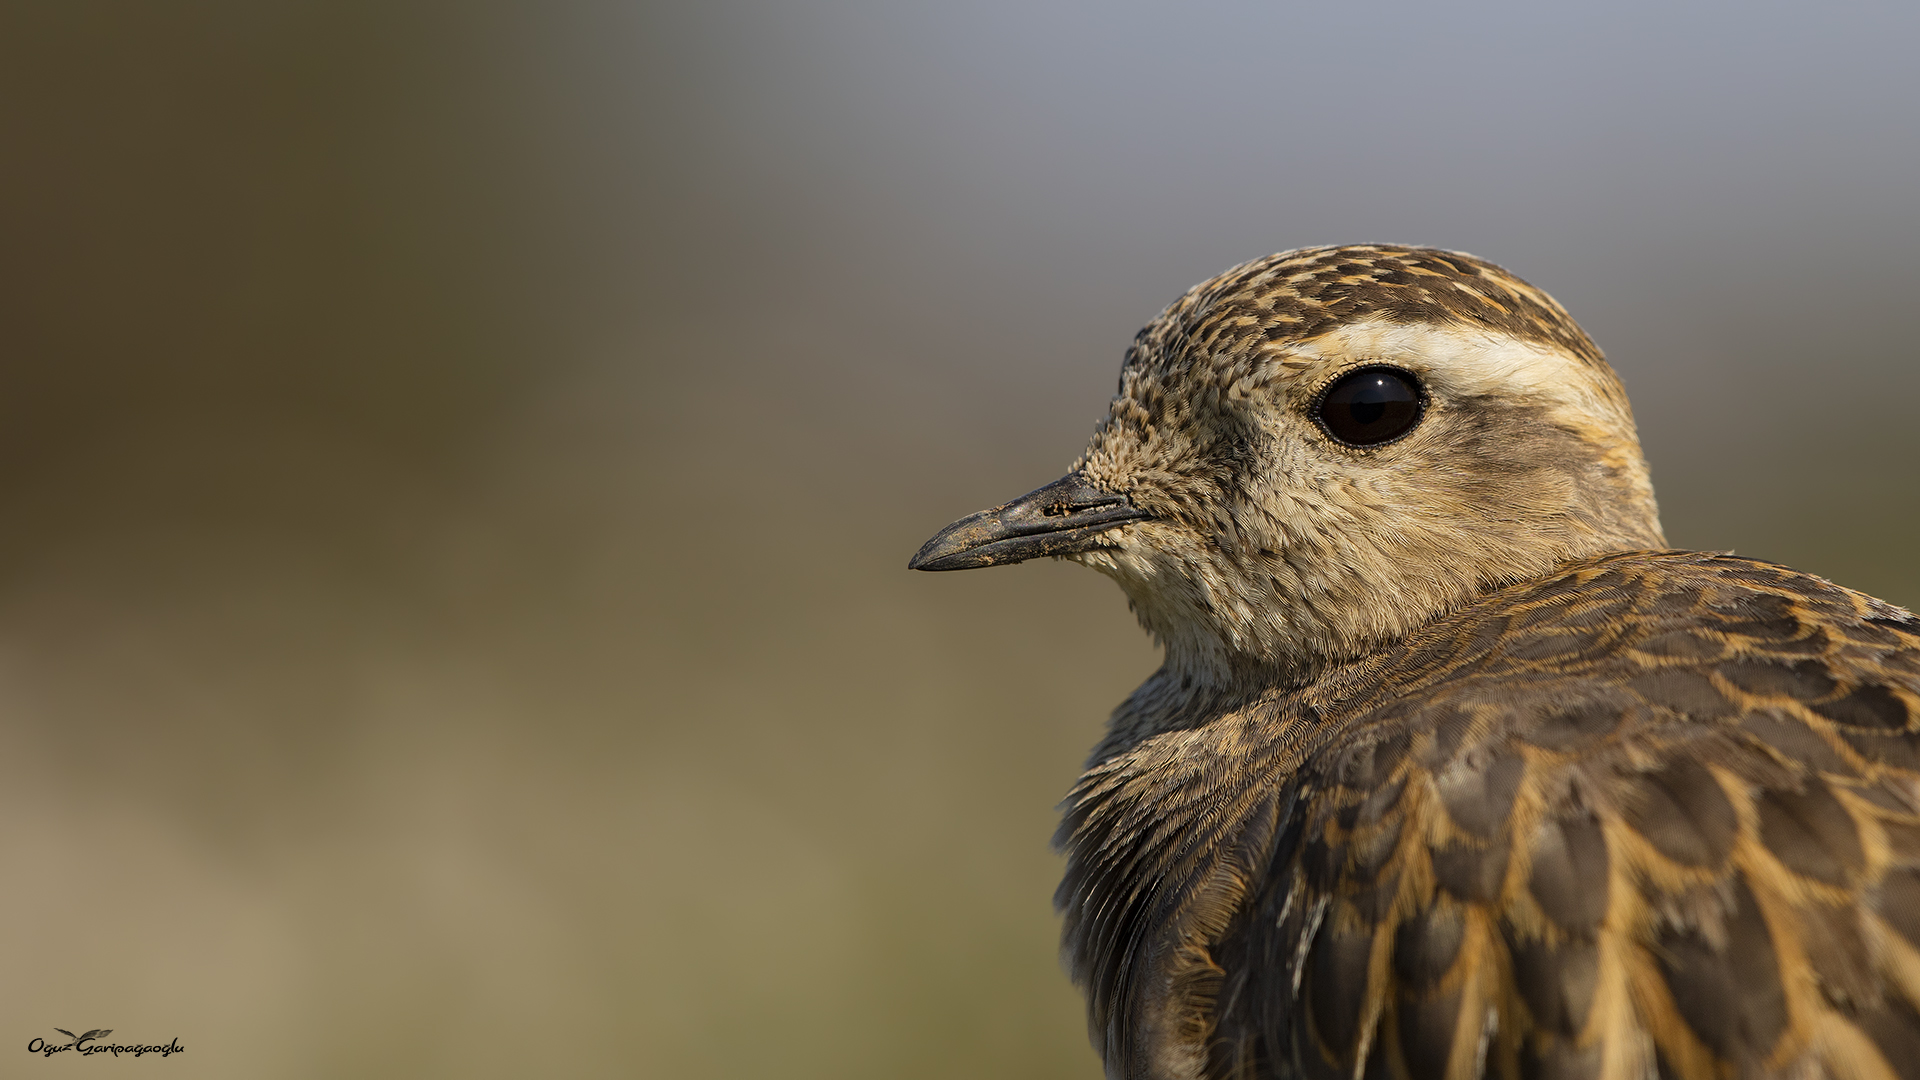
x,y
1450,771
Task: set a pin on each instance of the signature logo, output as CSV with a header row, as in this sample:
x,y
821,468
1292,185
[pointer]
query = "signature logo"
x,y
79,1040
89,1043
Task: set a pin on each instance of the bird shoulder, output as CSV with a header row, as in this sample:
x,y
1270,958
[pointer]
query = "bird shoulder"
x,y
1656,811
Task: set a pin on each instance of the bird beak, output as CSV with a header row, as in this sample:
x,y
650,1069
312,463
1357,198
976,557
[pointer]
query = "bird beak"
x,y
1066,516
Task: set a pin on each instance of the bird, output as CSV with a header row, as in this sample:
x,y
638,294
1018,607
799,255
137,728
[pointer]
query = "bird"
x,y
75,1040
1454,768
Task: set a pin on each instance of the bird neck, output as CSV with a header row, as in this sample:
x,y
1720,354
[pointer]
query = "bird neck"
x,y
1221,652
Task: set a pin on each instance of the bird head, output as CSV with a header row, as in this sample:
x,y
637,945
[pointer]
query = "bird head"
x,y
1314,453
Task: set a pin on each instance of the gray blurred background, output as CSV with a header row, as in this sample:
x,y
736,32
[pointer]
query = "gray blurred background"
x,y
459,463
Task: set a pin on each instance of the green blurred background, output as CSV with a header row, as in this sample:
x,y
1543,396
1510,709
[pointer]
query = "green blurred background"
x,y
459,463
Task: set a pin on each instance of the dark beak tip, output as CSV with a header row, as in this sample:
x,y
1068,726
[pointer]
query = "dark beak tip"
x,y
936,561
946,550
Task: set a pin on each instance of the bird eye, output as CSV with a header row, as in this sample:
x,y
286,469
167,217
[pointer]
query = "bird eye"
x,y
1370,406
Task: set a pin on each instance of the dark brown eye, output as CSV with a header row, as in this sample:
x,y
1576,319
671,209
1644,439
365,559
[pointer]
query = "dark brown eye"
x,y
1370,406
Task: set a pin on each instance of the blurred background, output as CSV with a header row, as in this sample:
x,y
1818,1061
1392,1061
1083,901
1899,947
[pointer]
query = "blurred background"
x,y
458,465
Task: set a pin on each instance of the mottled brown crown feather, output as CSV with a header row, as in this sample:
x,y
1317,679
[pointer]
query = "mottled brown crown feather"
x,y
1300,294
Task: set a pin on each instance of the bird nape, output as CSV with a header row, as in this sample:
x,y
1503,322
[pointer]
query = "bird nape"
x,y
1451,769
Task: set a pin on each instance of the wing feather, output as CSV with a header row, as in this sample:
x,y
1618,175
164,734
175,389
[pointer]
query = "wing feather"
x,y
1660,813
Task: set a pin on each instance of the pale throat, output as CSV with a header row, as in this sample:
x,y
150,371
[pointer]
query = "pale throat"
x,y
1223,625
